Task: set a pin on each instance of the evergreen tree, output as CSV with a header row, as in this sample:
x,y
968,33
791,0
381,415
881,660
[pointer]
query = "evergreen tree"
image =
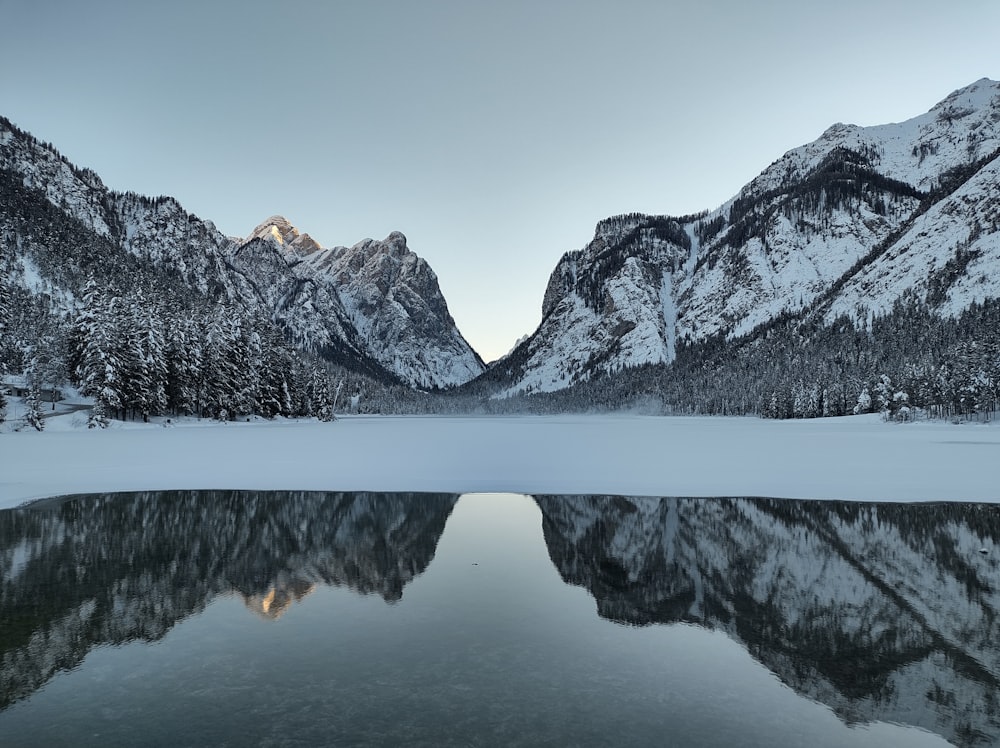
x,y
864,404
98,418
275,375
321,399
300,390
183,356
155,351
5,325
47,365
218,370
96,340
900,408
33,414
134,373
883,394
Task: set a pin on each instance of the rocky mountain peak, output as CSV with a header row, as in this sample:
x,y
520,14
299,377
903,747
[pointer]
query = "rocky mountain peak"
x,y
393,299
281,230
396,241
983,94
836,131
386,297
368,250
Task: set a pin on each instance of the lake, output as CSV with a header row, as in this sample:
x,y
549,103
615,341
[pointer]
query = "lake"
x,y
311,618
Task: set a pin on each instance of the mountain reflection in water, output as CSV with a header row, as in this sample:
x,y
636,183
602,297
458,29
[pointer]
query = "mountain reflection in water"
x,y
868,608
884,612
89,570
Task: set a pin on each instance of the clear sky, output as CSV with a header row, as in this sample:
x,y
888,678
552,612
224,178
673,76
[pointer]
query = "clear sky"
x,y
493,134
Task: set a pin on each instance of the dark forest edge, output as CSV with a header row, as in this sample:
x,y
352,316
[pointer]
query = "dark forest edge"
x,y
908,363
142,353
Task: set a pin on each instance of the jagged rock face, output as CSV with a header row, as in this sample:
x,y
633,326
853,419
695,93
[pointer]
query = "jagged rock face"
x,y
607,306
154,230
125,567
311,313
284,233
390,297
846,224
378,311
78,191
883,612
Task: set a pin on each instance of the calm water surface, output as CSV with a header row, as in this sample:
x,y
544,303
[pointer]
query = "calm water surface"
x,y
242,618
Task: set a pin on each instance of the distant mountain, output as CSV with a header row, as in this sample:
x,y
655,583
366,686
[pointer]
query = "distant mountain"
x,y
866,260
846,225
375,308
389,298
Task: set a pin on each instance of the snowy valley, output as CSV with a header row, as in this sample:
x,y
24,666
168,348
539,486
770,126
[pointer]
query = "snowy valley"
x,y
857,273
517,374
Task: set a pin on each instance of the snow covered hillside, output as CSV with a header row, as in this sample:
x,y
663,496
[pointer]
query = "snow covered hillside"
x,y
389,298
375,309
845,225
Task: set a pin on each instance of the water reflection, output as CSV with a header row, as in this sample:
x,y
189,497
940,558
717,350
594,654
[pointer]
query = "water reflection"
x,y
886,613
882,611
107,569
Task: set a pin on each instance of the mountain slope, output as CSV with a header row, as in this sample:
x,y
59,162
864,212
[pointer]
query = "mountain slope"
x,y
60,223
848,223
389,297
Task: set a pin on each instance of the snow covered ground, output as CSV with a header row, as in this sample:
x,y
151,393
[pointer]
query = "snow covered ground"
x,y
839,458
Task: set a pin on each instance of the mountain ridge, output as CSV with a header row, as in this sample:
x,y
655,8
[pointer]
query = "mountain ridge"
x,y
836,232
269,273
391,298
843,220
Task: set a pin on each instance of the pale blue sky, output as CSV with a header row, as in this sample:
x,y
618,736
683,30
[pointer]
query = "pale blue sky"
x,y
493,134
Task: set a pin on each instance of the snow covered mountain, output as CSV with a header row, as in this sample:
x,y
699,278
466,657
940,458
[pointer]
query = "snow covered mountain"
x,y
842,226
389,297
375,308
883,612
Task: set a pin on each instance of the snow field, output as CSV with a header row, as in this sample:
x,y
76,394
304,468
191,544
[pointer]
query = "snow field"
x,y
859,457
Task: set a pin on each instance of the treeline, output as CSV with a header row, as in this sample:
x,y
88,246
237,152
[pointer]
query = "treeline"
x,y
908,359
138,359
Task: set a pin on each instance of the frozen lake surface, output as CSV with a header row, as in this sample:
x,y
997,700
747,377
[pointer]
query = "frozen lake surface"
x,y
840,458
